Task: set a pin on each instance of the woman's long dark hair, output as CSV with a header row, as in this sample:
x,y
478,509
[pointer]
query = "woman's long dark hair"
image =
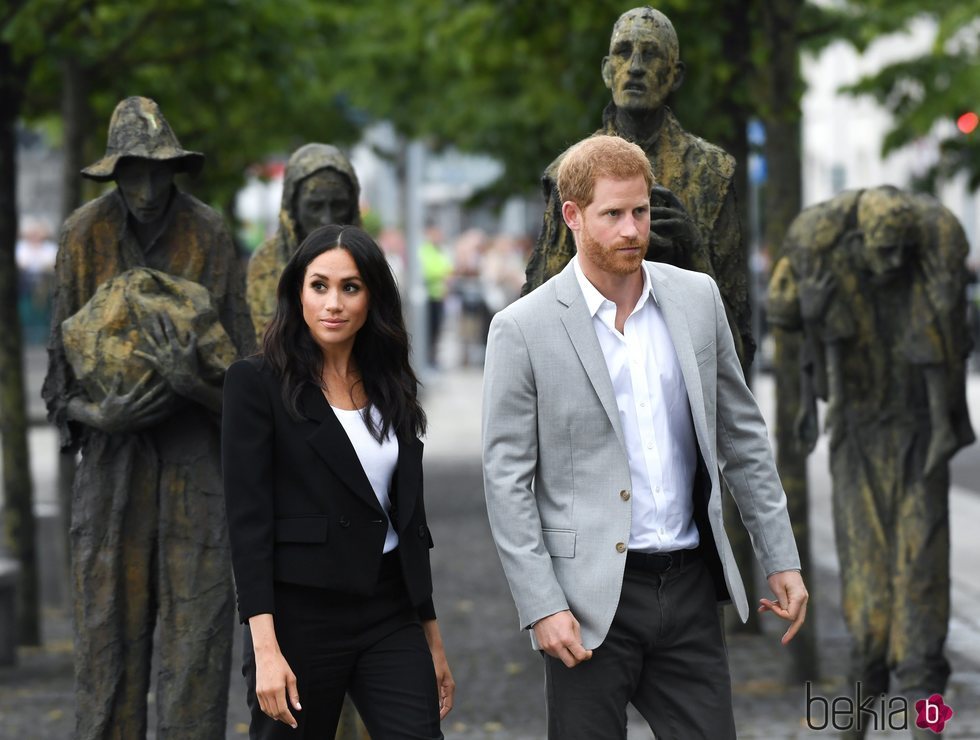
x,y
380,347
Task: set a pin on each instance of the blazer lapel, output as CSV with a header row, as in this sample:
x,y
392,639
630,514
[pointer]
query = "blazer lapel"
x,y
581,332
675,316
331,443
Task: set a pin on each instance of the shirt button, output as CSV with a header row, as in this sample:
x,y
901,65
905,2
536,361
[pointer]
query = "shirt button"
x,y
650,445
625,495
620,547
643,404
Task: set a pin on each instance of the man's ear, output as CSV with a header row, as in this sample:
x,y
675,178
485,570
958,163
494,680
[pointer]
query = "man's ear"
x,y
607,75
572,215
678,75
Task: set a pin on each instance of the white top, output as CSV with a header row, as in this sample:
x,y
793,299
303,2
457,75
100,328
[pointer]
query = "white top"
x,y
379,460
655,415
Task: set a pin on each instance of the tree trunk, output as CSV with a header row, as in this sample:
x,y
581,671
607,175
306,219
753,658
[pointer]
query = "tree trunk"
x,y
18,510
783,203
76,118
733,107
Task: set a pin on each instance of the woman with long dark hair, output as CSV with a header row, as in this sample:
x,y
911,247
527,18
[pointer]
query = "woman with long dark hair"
x,y
323,488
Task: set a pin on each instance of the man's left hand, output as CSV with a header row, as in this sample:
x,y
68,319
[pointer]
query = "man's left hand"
x,y
790,604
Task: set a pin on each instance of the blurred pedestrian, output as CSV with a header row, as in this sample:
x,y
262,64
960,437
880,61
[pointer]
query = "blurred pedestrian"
x,y
35,254
323,487
437,267
468,286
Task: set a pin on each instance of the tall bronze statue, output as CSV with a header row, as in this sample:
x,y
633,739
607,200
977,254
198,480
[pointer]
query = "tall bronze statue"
x,y
695,220
149,310
876,281
320,188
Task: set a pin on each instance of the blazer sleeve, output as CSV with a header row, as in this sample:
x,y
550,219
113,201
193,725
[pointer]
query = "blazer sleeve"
x,y
745,457
510,456
247,437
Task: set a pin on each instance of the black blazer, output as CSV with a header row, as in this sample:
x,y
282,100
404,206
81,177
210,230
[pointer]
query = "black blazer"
x,y
300,507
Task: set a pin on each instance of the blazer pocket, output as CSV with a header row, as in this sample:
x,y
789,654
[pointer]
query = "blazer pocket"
x,y
705,353
302,529
559,542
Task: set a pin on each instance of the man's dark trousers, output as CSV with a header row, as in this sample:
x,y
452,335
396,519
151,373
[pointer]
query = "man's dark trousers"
x,y
665,653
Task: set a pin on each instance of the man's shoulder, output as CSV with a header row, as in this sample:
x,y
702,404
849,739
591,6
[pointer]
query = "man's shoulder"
x,y
691,287
532,307
678,275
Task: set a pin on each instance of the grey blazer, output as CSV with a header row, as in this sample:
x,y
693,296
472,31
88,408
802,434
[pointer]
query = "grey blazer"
x,y
554,460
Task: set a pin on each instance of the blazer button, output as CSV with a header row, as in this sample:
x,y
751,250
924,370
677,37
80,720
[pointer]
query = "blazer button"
x,y
625,495
620,547
422,531
344,522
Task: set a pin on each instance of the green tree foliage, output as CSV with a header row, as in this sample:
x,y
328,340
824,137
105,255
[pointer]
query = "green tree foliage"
x,y
238,79
926,93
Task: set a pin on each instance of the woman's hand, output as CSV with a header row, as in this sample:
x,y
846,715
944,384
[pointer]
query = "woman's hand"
x,y
275,682
444,677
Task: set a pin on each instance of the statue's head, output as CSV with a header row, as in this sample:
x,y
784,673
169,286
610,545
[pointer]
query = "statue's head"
x,y
142,156
887,222
138,130
320,189
643,66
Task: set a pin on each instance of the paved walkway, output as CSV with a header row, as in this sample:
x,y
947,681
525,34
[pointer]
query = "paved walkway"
x,y
499,678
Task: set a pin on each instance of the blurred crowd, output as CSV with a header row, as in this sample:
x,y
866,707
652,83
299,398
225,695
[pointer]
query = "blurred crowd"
x,y
467,280
35,254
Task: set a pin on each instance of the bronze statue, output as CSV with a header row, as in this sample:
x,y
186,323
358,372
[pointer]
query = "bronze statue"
x,y
149,309
695,220
320,188
876,281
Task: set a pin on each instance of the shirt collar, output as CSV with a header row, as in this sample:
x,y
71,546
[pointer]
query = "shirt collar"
x,y
594,299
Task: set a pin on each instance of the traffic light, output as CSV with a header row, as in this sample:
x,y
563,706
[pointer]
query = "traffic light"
x,y
967,123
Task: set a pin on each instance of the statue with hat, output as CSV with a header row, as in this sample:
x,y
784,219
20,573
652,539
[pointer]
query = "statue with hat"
x,y
694,215
319,189
149,310
876,281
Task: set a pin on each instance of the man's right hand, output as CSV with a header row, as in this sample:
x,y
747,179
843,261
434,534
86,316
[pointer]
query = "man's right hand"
x,y
560,636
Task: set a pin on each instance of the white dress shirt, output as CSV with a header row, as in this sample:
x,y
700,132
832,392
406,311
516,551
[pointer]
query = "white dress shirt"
x,y
655,416
379,460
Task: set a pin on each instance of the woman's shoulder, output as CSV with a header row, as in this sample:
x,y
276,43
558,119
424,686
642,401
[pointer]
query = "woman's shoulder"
x,y
254,367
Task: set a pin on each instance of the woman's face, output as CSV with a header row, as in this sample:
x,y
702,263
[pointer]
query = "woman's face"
x,y
335,299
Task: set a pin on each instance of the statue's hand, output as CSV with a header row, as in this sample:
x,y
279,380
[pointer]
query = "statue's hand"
x,y
807,429
672,230
173,356
147,403
815,294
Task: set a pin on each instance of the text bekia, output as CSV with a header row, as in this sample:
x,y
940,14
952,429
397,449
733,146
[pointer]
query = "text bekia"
x,y
873,711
